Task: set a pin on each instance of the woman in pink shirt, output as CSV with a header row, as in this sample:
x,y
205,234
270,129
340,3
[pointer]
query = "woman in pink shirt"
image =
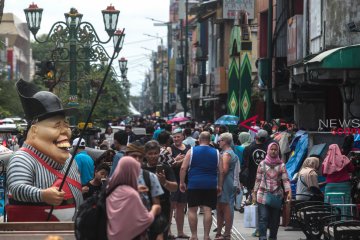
x,y
337,168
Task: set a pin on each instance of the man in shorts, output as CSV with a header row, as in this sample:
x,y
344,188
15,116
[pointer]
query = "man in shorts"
x,y
203,165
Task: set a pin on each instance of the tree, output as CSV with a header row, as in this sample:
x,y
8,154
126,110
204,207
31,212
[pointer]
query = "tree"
x,y
9,100
112,102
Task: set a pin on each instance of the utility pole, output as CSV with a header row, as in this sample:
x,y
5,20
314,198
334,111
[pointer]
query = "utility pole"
x,y
161,73
269,56
186,57
169,46
162,80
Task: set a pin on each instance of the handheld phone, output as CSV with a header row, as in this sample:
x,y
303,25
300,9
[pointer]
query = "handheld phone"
x,y
159,168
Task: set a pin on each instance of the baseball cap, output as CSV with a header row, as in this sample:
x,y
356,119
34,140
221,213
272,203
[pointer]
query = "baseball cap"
x,y
261,134
82,142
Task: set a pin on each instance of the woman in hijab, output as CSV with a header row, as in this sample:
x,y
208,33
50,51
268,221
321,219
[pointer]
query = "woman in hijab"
x,y
307,178
269,174
127,216
337,168
245,140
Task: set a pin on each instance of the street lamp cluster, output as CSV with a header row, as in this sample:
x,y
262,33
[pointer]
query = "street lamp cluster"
x,y
123,69
77,42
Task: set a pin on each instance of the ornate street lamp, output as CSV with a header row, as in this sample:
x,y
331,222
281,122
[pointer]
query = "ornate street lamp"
x,y
77,42
73,17
348,92
123,64
33,17
118,34
348,95
110,15
124,73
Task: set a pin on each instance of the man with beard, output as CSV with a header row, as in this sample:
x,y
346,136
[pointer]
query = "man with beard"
x,y
35,172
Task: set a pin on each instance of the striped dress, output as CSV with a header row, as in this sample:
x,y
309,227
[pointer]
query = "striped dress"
x,y
26,177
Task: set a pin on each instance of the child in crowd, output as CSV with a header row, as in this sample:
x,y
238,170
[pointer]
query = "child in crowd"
x,y
94,186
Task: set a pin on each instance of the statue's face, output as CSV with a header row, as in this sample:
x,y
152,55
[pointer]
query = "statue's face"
x,y
51,137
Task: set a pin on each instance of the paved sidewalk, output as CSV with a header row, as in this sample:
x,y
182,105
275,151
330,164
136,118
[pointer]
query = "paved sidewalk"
x,y
239,232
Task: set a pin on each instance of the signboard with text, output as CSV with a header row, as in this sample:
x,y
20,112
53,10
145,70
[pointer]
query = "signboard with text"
x,y
232,7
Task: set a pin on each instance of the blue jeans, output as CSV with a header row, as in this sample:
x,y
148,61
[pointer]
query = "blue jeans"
x,y
268,217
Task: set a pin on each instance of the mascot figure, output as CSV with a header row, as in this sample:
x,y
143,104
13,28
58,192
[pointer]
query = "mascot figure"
x,y
36,170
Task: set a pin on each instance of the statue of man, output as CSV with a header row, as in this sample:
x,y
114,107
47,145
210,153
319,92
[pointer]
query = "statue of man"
x,y
36,170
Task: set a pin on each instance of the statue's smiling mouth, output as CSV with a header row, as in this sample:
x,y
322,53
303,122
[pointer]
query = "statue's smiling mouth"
x,y
64,144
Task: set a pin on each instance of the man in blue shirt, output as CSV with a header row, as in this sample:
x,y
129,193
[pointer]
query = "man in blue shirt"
x,y
84,162
205,179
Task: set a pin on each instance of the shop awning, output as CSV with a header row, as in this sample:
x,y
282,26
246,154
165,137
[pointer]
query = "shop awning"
x,y
338,58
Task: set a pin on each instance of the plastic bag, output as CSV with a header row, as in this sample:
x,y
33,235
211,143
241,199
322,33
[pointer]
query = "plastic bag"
x,y
251,216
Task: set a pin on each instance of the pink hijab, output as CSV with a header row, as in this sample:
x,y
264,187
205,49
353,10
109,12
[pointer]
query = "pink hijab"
x,y
127,216
334,160
270,160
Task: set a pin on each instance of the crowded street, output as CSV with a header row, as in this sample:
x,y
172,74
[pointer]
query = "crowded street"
x,y
180,119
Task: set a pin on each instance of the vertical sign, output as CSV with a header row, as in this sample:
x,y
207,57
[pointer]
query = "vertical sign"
x,y
234,76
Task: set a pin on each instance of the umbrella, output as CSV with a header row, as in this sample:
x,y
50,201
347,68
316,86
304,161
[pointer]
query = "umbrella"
x,y
227,120
178,119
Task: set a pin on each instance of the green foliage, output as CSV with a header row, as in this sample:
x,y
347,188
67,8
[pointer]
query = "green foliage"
x,y
112,102
9,100
42,51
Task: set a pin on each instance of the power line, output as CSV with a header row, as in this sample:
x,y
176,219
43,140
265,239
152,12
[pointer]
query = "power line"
x,y
139,41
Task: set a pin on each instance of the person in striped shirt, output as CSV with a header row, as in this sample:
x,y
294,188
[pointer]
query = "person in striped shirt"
x,y
36,170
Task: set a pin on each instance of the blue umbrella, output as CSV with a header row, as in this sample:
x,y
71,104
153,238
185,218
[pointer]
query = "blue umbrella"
x,y
227,120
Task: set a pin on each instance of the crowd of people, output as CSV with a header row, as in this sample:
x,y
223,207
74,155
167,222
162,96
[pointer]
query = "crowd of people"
x,y
153,180
192,168
202,169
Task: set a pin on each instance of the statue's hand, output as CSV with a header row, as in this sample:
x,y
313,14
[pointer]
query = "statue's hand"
x,y
52,196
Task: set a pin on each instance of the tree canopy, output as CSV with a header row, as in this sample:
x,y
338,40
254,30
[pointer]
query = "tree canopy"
x,y
112,102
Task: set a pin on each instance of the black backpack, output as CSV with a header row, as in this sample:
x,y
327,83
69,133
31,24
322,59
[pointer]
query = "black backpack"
x,y
91,218
160,223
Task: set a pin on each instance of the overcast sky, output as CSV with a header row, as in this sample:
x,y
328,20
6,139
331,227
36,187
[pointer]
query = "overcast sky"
x,y
133,17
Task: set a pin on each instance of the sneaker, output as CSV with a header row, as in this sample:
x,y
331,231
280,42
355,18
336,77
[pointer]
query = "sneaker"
x,y
256,233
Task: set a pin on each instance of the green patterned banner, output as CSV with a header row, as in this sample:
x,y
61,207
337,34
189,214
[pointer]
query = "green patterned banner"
x,y
245,85
239,94
234,73
234,87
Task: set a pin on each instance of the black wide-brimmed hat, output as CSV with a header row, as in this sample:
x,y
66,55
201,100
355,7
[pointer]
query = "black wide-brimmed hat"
x,y
40,105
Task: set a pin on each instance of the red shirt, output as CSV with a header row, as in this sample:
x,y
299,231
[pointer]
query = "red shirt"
x,y
341,176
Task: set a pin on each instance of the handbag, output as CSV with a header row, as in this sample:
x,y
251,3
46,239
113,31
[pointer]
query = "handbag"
x,y
272,200
159,225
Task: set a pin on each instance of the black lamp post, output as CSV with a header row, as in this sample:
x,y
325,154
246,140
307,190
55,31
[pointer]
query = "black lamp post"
x,y
84,44
123,69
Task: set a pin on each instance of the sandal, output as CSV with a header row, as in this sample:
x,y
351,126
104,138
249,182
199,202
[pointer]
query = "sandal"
x,y
222,237
182,237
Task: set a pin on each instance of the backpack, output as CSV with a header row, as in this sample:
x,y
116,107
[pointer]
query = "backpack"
x,y
160,223
91,218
